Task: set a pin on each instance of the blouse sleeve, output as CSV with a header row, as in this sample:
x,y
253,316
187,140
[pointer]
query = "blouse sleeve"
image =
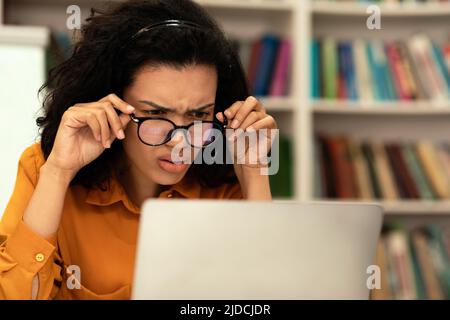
x,y
24,253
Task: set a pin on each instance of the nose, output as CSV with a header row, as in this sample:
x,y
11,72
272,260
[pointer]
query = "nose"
x,y
178,137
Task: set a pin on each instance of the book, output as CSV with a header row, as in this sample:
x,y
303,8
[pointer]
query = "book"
x,y
330,68
263,76
281,184
315,69
282,66
398,248
431,282
363,184
387,184
417,173
363,79
383,293
433,168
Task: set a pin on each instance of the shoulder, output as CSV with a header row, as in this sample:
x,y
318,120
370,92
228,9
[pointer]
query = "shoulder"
x,y
31,160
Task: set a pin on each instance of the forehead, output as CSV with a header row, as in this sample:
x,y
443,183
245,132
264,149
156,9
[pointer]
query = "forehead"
x,y
184,87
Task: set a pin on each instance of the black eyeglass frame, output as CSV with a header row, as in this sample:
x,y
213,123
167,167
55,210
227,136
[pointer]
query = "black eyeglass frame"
x,y
140,120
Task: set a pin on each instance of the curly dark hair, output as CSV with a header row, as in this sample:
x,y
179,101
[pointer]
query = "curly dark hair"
x,y
100,65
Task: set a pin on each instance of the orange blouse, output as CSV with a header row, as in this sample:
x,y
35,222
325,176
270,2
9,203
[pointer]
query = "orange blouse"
x,y
97,233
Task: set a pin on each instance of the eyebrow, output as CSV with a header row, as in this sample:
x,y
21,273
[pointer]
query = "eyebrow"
x,y
155,105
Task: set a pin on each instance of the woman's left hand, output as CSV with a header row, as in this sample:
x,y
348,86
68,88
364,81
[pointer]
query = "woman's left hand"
x,y
246,118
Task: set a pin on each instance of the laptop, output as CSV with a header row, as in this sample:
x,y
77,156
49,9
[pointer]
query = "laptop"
x,y
255,250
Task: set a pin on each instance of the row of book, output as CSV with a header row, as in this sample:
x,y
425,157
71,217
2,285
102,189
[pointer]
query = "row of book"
x,y
414,264
361,169
281,184
267,62
374,70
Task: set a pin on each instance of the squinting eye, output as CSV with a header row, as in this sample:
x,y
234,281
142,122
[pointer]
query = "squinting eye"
x,y
154,112
199,114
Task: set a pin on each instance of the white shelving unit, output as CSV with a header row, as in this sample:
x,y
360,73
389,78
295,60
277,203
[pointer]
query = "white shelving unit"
x,y
297,114
22,72
382,120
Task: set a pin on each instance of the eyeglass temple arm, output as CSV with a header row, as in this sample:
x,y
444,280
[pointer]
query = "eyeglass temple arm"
x,y
225,121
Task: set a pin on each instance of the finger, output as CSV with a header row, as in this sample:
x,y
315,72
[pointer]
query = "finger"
x,y
268,122
220,117
114,122
118,103
231,111
252,117
250,104
125,120
93,124
104,128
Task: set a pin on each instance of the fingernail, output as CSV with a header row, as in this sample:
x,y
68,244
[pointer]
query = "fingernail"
x,y
107,144
130,108
120,134
250,129
235,124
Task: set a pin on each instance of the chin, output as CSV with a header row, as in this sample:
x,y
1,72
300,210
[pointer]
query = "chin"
x,y
166,178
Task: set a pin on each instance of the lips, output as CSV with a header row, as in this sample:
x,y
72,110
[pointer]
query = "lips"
x,y
168,165
169,159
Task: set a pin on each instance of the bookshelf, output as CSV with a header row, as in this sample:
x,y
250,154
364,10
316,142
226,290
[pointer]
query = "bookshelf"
x,y
389,120
297,114
22,51
374,119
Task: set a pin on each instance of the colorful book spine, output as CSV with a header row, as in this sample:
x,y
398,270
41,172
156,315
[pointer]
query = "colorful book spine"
x,y
266,64
279,82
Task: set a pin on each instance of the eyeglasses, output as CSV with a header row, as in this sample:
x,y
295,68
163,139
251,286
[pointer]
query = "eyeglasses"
x,y
158,131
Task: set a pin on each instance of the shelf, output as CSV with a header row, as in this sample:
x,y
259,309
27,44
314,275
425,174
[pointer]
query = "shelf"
x,y
20,35
417,207
387,10
419,108
281,5
405,207
421,208
278,103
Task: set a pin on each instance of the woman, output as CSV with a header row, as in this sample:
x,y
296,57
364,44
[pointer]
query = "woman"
x,y
142,72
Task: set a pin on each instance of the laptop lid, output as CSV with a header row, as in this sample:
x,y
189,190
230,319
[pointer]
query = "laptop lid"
x,y
211,249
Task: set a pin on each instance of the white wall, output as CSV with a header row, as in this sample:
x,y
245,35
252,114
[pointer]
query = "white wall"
x,y
22,72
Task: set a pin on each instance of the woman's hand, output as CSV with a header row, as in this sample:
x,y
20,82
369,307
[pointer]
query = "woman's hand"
x,y
85,130
247,118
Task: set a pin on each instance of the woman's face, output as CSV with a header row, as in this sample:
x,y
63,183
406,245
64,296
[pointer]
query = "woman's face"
x,y
182,96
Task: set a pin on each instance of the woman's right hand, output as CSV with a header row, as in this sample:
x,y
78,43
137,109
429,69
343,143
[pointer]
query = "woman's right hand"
x,y
85,130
